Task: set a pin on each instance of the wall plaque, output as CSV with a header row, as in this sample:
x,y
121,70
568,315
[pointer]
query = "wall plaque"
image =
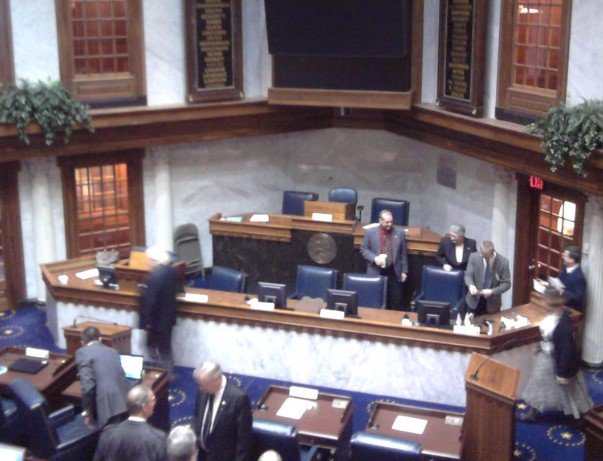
x,y
461,56
214,50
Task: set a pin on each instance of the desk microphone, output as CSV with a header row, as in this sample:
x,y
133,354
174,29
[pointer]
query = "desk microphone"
x,y
83,317
498,349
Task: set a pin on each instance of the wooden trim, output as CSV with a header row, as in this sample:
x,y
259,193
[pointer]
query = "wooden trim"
x,y
341,98
7,72
416,66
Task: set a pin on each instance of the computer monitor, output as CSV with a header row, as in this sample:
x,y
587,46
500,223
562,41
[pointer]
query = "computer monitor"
x,y
106,275
133,366
343,300
433,313
273,293
11,452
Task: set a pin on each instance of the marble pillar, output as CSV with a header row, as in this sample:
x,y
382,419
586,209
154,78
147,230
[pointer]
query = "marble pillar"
x,y
164,232
592,341
43,226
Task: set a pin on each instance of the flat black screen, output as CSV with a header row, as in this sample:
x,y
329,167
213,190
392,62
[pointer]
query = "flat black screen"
x,y
433,313
343,300
273,293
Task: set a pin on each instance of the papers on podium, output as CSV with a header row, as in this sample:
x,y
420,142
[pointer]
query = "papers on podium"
x,y
194,298
295,408
409,424
259,218
87,274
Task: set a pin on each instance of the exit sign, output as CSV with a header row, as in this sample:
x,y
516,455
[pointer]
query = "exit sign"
x,y
536,182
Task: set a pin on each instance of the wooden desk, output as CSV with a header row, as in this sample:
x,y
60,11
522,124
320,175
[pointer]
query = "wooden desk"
x,y
441,438
116,336
155,378
328,424
594,434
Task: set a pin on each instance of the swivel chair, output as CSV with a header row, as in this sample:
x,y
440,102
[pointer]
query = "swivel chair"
x,y
282,438
368,446
344,195
371,289
399,208
9,427
313,281
188,249
293,201
226,279
440,285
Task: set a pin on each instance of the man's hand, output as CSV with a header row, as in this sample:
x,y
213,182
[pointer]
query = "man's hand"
x,y
473,290
561,380
447,267
404,277
89,421
487,293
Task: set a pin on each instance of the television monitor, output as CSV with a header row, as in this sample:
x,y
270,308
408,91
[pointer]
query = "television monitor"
x,y
133,366
343,300
106,275
273,293
433,313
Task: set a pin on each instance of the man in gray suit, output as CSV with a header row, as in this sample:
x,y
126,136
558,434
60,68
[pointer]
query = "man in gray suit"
x,y
487,277
103,382
384,249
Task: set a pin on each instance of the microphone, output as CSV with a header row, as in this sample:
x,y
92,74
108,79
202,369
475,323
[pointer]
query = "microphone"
x,y
498,349
83,317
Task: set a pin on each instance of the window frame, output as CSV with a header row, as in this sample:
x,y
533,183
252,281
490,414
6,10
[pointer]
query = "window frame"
x,y
7,71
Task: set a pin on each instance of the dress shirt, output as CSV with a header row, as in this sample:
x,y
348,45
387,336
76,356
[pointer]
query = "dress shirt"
x,y
217,400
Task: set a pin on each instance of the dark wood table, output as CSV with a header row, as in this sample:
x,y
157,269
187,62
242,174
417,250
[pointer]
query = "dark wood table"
x,y
441,438
593,447
328,424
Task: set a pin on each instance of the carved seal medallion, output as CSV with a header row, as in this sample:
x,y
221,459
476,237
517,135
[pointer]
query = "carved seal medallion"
x,y
322,248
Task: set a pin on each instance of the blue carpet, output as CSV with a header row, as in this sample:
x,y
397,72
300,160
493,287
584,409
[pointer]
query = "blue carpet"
x,y
553,438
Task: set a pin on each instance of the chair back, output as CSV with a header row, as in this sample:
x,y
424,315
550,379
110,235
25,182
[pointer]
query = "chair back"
x,y
272,435
293,201
226,279
444,286
188,248
371,289
400,210
368,446
314,281
344,195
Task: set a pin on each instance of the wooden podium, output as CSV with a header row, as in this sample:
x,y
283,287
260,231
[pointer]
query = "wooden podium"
x,y
116,336
489,426
594,434
339,211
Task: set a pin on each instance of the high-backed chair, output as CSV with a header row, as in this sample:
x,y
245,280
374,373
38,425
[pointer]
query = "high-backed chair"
x,y
314,281
293,201
226,279
371,289
188,248
9,424
61,435
369,446
344,195
281,437
399,208
440,285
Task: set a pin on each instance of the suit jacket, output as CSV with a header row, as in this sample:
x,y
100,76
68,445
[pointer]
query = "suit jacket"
x,y
231,438
103,382
371,247
130,441
158,304
446,253
565,352
575,287
501,280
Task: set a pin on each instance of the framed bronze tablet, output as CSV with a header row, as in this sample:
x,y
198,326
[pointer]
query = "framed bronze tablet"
x,y
214,50
462,50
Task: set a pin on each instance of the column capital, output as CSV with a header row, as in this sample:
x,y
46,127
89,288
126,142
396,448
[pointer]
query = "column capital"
x,y
161,157
502,175
40,166
597,204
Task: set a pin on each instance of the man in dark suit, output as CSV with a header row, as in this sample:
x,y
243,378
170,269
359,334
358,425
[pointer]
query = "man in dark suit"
x,y
134,438
222,417
572,278
384,248
487,277
455,248
103,382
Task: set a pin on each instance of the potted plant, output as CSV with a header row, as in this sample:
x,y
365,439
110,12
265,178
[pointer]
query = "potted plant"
x,y
50,105
570,134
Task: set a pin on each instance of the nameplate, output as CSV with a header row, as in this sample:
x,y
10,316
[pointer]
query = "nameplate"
x,y
324,217
470,330
259,218
260,305
194,298
332,314
37,353
303,392
409,424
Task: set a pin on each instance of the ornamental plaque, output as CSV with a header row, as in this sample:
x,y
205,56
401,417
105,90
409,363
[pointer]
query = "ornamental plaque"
x,y
322,248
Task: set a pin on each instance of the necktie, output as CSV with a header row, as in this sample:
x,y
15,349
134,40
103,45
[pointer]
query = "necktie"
x,y
207,422
487,276
388,249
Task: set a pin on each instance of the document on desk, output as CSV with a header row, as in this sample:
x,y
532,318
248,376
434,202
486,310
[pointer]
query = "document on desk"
x,y
409,424
259,218
294,408
194,298
88,274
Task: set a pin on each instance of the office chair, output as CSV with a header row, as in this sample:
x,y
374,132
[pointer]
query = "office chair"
x,y
226,279
344,195
371,289
9,423
314,281
440,285
188,249
281,437
400,210
58,436
293,201
369,446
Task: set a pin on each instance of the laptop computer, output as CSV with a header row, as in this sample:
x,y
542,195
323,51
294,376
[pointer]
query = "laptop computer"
x,y
28,365
11,452
133,367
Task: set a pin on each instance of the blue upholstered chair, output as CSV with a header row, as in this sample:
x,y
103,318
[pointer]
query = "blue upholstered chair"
x,y
399,208
9,424
61,435
344,195
281,437
440,285
226,279
371,289
369,446
293,201
188,248
314,281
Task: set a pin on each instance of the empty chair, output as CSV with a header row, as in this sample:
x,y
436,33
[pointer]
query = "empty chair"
x,y
314,281
226,279
399,209
188,248
282,438
343,195
371,289
293,201
61,435
9,424
369,446
444,286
